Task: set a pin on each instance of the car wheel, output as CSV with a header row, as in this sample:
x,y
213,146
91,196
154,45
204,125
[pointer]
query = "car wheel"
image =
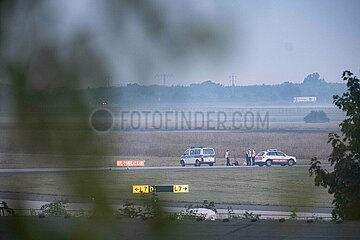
x,y
211,164
197,163
268,163
182,163
291,162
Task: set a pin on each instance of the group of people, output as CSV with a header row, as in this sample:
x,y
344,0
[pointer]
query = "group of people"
x,y
249,156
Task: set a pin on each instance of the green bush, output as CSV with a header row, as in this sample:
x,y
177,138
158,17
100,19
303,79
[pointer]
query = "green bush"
x,y
316,117
57,208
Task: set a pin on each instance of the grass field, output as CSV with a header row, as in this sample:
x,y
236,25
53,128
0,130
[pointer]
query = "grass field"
x,y
273,186
171,144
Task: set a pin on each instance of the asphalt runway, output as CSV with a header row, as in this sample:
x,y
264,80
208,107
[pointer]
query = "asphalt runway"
x,y
105,228
84,169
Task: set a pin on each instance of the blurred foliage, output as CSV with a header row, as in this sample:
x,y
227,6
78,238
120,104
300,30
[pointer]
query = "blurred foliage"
x,y
151,210
130,210
45,66
232,214
293,214
252,216
209,205
57,208
344,181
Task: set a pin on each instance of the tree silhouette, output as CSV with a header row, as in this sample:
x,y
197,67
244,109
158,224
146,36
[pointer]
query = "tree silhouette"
x,y
313,79
316,117
344,181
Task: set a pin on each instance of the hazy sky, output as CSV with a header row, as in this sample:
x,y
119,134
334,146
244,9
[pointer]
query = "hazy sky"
x,y
286,40
267,42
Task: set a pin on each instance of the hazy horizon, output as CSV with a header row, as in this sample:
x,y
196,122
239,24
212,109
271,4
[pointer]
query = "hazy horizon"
x,y
267,42
257,42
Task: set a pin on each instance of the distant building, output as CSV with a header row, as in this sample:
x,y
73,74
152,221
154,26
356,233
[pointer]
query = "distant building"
x,y
304,99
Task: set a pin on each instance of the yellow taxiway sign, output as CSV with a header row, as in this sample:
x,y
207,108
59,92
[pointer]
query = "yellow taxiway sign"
x,y
167,188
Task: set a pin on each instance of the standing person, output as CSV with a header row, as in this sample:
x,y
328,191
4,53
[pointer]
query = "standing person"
x,y
248,156
253,154
227,157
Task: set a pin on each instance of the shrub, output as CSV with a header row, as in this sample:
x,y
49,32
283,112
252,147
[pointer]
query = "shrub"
x,y
57,208
316,117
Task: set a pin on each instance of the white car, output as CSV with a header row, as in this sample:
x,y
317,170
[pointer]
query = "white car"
x,y
206,214
274,157
198,156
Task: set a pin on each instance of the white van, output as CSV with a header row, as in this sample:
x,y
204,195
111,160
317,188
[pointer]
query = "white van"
x,y
198,156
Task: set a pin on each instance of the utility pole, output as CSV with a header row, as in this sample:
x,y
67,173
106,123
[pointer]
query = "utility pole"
x,y
163,77
107,83
233,78
108,79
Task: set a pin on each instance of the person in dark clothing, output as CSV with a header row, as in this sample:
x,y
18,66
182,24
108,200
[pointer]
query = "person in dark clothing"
x,y
248,157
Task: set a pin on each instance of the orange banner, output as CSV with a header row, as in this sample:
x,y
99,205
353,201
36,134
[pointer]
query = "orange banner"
x,y
130,163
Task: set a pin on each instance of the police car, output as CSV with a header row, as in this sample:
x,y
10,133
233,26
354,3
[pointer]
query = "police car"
x,y
198,156
274,157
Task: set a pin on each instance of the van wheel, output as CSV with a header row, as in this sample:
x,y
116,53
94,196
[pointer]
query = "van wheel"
x,y
268,163
197,163
211,164
291,162
182,163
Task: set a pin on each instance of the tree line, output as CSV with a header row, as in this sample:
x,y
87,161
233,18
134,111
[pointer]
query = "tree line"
x,y
206,92
211,92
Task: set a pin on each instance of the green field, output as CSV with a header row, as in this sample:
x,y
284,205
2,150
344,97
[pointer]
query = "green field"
x,y
273,186
162,143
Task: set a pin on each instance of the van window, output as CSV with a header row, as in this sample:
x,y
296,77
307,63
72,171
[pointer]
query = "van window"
x,y
192,152
208,151
186,152
197,151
